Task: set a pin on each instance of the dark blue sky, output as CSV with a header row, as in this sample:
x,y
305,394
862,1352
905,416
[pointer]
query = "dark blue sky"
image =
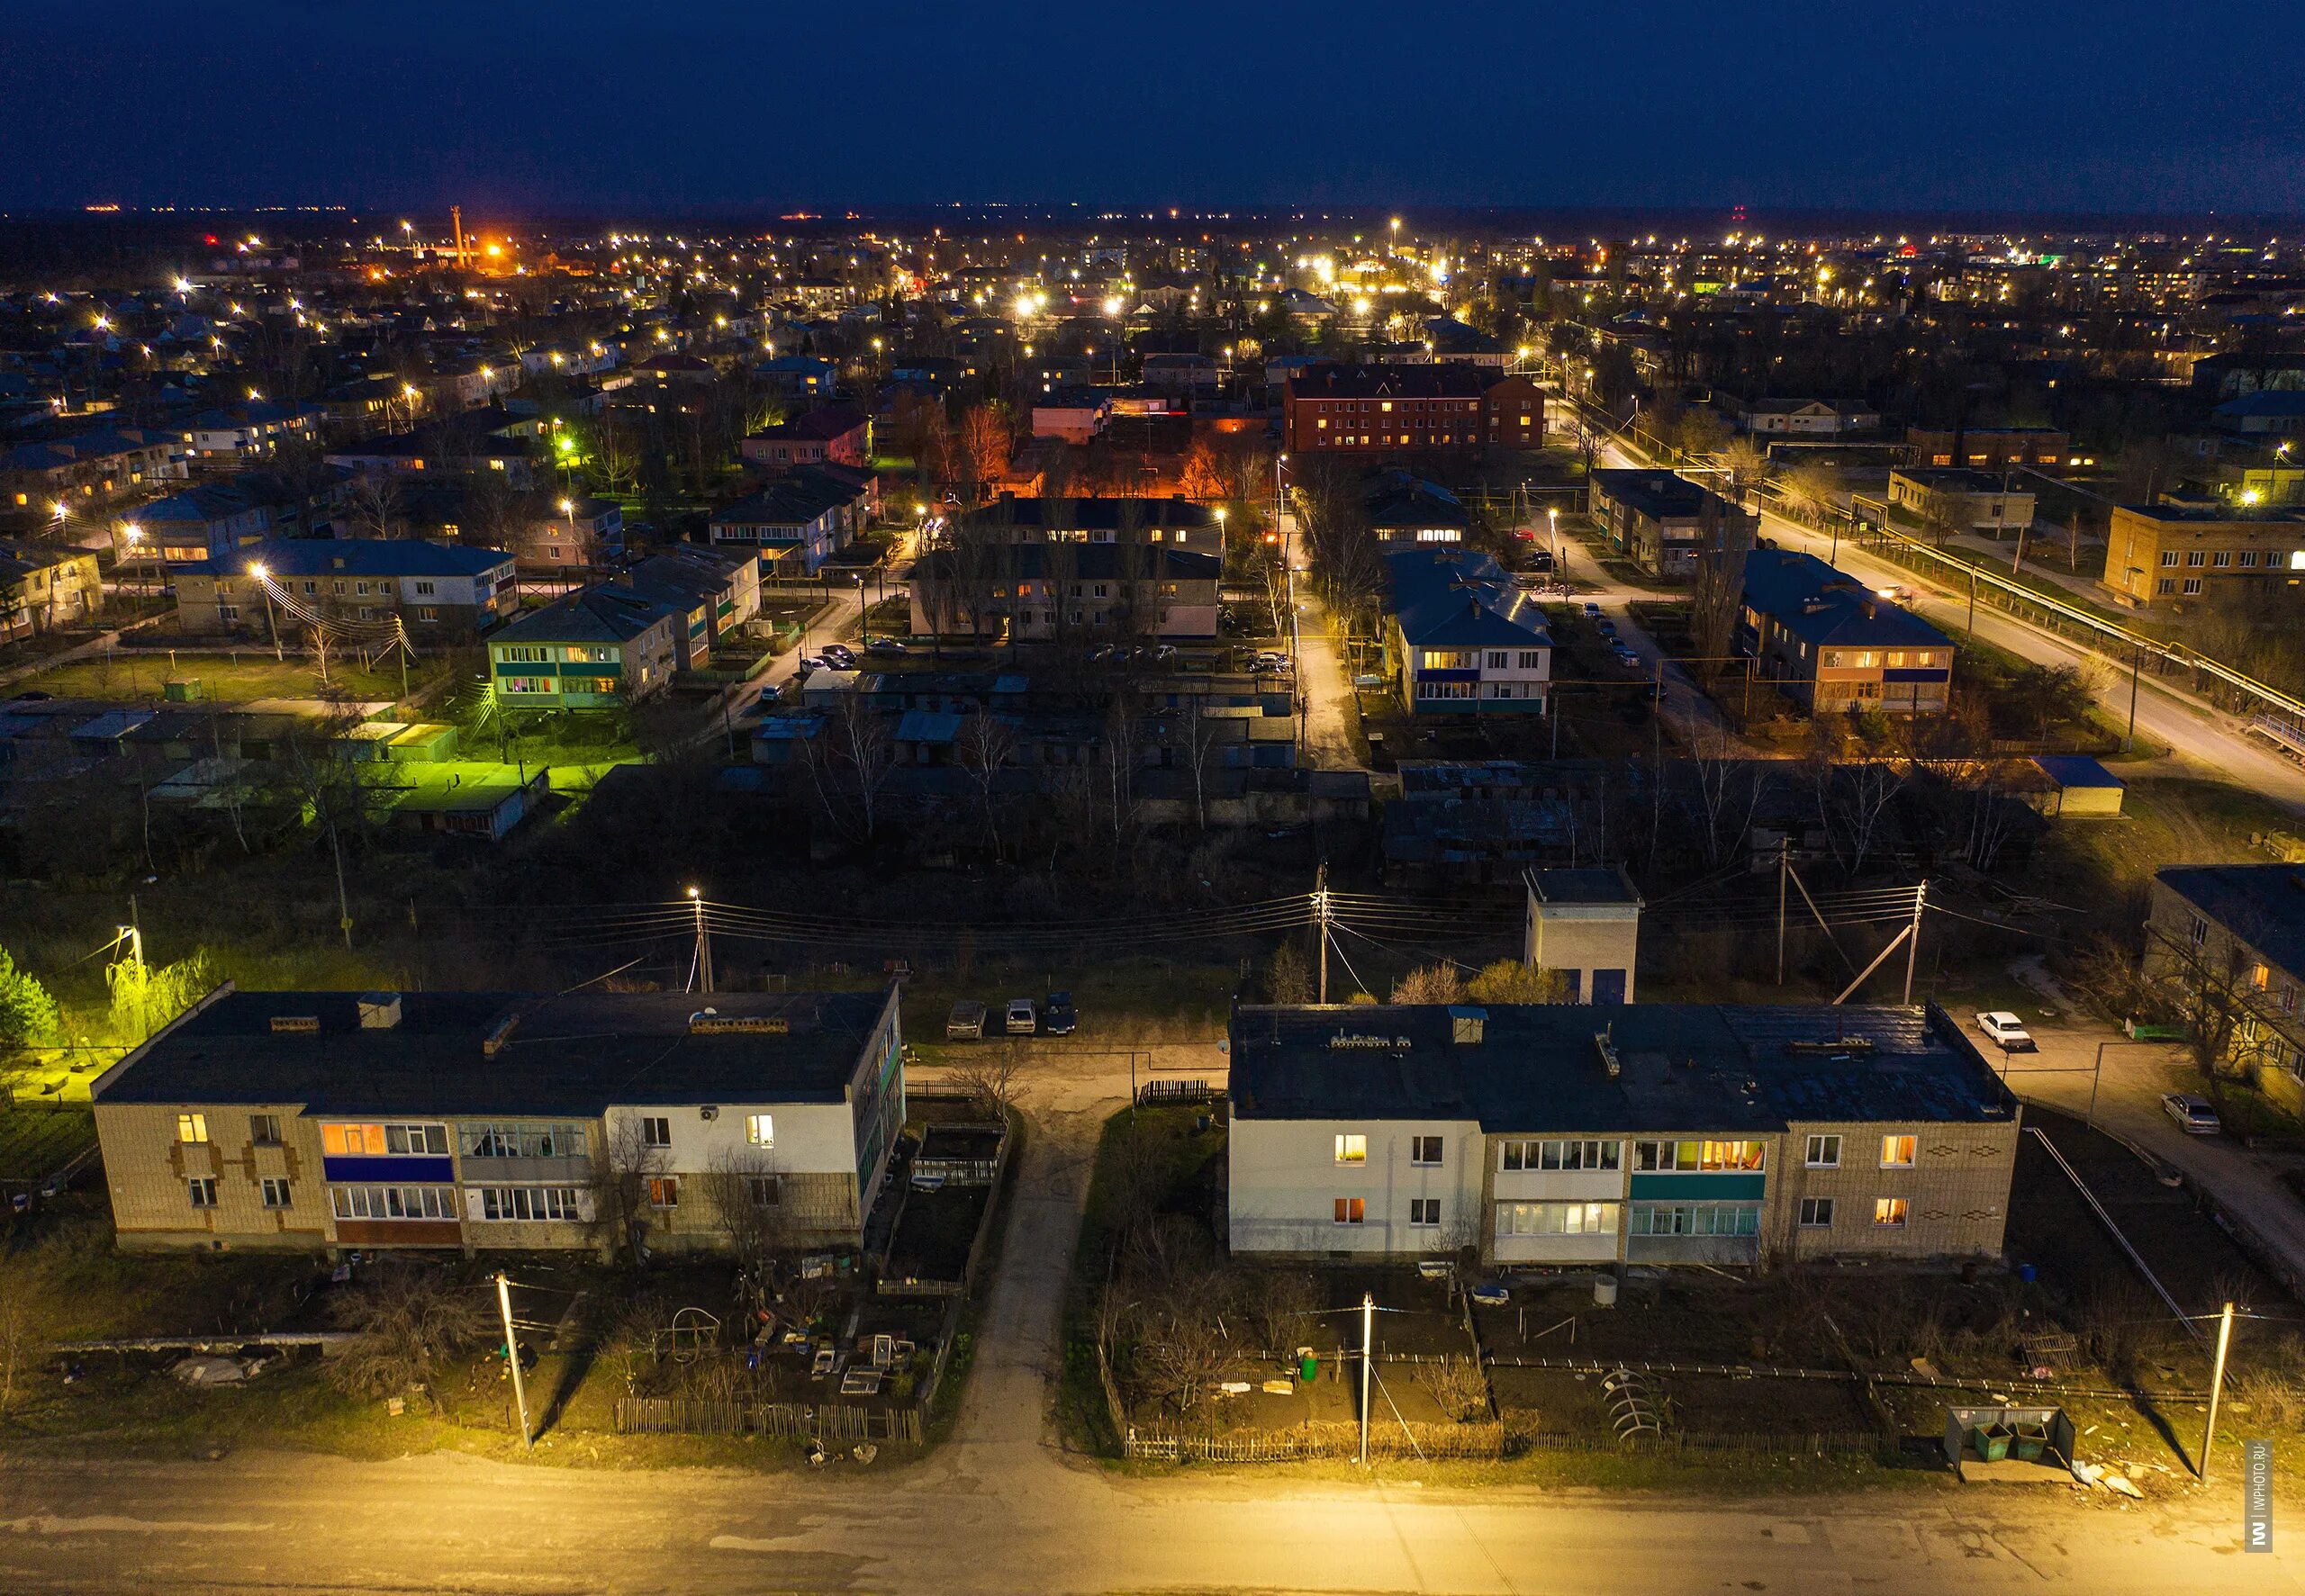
x,y
579,105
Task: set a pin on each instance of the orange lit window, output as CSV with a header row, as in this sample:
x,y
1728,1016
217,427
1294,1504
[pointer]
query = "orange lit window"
x,y
353,1141
1350,1211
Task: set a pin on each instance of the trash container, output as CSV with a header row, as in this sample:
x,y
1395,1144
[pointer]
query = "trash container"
x,y
1308,1368
1992,1442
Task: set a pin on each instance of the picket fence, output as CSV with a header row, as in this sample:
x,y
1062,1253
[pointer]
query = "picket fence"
x,y
826,1422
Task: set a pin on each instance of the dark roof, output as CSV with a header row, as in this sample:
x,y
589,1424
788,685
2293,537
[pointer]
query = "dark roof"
x,y
591,615
834,420
2075,770
1683,1068
2263,905
575,1054
1660,495
1956,479
1822,606
1091,515
1583,886
1439,380
1443,596
789,502
1088,562
355,556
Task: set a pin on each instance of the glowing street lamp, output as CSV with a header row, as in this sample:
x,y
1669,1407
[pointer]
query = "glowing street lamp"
x,y
271,622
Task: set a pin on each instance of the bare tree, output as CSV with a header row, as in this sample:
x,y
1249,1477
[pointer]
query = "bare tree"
x,y
1199,733
987,744
744,1188
849,765
408,1323
374,496
1509,981
1430,983
622,1169
988,1077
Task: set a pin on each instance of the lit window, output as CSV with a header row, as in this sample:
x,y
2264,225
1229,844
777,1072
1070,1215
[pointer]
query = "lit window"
x,y
760,1130
664,1191
192,1128
1351,1148
1889,1211
1350,1211
1898,1152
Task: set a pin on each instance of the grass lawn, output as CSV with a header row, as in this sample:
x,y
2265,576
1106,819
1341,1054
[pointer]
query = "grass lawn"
x,y
141,677
36,1138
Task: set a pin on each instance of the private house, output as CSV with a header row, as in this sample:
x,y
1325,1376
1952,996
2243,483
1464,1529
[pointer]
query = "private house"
x,y
2159,557
478,1121
801,378
1646,1134
597,648
1797,419
1073,415
1664,522
1585,924
716,593
43,587
1029,592
2229,940
836,435
1963,500
1831,644
439,590
1460,639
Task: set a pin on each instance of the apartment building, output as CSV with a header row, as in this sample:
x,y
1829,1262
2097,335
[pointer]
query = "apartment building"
x,y
1988,448
1832,644
1664,522
1648,1134
2232,939
1964,500
599,648
437,590
319,1120
1459,638
1366,412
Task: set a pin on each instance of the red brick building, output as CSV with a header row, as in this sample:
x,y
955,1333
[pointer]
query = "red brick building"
x,y
1362,411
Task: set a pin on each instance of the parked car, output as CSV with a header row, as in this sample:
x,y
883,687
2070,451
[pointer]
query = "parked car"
x,y
1057,1018
965,1022
1607,628
1540,559
1592,609
840,656
2195,1115
2006,1029
1024,1017
886,645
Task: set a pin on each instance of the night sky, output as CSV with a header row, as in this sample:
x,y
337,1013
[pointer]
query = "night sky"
x,y
583,106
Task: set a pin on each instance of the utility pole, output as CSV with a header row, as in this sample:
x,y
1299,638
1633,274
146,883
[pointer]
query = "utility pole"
x,y
1321,923
703,942
1912,934
2136,664
1973,601
513,1356
1368,1364
2215,1388
1784,863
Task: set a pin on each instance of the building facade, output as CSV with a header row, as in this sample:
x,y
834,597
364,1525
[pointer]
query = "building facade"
x,y
1962,499
1459,638
439,591
1664,523
321,1120
1372,411
1670,1134
2227,942
2182,556
1832,644
599,648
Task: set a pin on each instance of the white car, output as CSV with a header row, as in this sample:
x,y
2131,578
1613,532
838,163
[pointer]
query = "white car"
x,y
2195,1115
2007,1030
1022,1018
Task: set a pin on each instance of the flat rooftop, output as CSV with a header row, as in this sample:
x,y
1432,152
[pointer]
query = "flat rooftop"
x,y
1682,1067
572,1054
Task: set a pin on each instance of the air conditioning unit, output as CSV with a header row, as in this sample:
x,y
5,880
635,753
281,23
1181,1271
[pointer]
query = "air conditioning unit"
x,y
707,1113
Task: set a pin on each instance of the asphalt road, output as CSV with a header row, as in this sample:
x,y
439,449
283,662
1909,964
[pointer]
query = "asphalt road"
x,y
1003,1508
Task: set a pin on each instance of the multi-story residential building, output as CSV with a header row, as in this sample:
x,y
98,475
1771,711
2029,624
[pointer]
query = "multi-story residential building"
x,y
1832,643
249,432
1666,523
1039,590
1372,411
207,521
437,590
2159,555
597,648
1988,448
1401,508
795,524
836,435
2228,942
89,466
803,378
1171,523
1964,500
715,591
1459,638
582,533
1655,1133
322,1121
42,586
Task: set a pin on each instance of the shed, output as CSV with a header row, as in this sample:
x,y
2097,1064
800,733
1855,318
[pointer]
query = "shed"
x,y
2076,787
426,743
371,740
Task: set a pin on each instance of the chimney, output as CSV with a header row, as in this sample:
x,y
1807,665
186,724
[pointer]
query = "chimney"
x,y
379,1011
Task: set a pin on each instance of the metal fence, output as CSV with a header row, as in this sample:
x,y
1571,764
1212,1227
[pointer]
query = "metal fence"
x,y
826,1422
1327,1439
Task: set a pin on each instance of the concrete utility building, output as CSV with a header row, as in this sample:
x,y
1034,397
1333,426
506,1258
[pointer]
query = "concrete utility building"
x,y
1585,923
471,1120
1661,1133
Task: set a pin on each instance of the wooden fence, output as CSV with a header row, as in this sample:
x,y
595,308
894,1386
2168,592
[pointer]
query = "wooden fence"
x,y
826,1422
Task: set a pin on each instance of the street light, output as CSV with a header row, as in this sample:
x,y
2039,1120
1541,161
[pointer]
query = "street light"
x,y
271,621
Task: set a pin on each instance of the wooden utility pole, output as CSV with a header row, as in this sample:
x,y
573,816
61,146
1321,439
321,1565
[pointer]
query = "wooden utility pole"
x,y
1321,924
2216,1387
513,1356
703,942
1368,1364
